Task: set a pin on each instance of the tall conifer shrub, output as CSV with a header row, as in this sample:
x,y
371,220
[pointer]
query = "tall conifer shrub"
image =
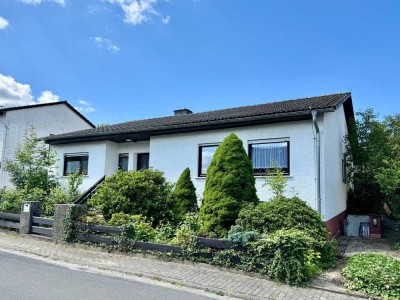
x,y
230,185
184,195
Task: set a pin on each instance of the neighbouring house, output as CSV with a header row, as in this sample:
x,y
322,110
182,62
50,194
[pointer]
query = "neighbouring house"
x,y
304,137
46,119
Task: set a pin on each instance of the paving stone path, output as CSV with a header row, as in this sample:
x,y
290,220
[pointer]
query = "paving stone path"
x,y
188,274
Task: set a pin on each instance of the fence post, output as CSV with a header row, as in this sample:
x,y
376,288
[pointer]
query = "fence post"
x,y
60,213
28,210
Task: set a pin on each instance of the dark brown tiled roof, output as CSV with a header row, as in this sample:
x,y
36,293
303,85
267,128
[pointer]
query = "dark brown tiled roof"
x,y
224,115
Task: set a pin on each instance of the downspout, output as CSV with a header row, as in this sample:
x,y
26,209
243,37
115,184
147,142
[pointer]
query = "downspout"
x,y
314,114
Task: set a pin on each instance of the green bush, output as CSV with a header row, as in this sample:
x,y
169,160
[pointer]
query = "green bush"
x,y
230,185
165,232
285,255
145,193
184,196
282,213
185,234
10,200
141,227
239,237
373,274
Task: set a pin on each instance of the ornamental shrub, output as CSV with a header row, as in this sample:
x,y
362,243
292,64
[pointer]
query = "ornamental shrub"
x,y
10,200
239,237
184,196
373,274
282,213
142,230
185,234
230,185
284,255
145,193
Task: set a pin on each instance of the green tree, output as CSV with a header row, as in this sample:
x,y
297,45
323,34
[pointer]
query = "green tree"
x,y
184,195
33,164
230,185
373,151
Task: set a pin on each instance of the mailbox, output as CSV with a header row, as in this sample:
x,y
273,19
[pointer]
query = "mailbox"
x,y
375,227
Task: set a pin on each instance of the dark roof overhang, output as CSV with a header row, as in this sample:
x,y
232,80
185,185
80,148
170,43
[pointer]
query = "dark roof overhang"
x,y
211,125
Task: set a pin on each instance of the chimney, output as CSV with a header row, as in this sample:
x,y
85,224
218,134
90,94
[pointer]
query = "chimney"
x,y
183,111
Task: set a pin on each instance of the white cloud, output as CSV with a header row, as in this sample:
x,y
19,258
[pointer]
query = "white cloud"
x,y
36,2
3,23
84,107
48,97
139,11
106,43
13,93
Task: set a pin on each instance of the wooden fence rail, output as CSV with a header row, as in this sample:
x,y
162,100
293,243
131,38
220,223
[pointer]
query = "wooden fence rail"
x,y
96,238
6,220
44,221
8,216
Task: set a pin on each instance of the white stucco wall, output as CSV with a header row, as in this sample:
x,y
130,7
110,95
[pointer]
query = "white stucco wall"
x,y
103,158
96,163
335,190
51,119
173,153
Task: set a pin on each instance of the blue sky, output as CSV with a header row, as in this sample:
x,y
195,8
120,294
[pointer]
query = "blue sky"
x,y
120,60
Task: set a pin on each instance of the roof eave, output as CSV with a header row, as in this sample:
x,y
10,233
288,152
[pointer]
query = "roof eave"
x,y
236,122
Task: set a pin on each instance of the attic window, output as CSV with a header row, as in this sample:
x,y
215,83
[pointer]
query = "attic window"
x,y
76,163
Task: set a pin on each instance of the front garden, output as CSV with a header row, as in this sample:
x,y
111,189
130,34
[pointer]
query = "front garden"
x,y
283,238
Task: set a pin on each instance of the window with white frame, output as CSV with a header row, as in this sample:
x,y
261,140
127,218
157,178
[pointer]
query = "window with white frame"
x,y
76,163
206,153
266,155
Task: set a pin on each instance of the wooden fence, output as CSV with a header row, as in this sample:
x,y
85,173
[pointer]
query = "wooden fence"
x,y
95,230
37,227
10,220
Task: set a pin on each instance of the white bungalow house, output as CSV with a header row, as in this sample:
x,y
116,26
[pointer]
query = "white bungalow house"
x,y
46,119
304,136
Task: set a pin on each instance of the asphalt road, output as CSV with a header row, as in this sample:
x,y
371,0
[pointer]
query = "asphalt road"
x,y
26,278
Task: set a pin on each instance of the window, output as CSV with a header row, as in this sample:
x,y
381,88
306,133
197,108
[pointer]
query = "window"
x,y
206,154
142,161
267,155
123,160
77,162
